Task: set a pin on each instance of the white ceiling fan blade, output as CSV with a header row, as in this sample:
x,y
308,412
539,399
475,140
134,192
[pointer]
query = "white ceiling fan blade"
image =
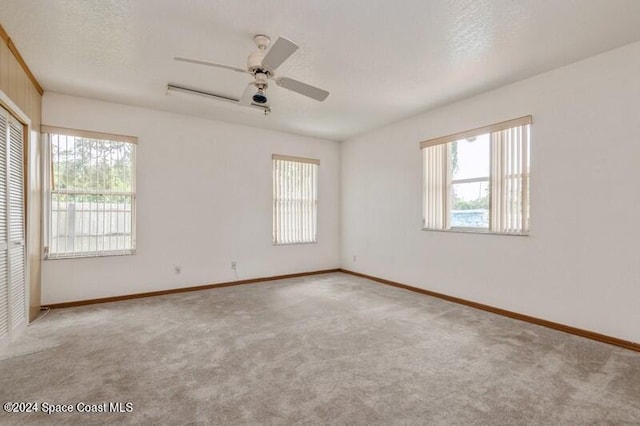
x,y
247,96
279,52
175,88
302,88
211,64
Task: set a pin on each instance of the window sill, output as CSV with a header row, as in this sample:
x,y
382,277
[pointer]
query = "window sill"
x,y
295,244
90,255
477,231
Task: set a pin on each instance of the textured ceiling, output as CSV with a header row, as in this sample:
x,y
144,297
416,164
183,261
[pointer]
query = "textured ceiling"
x,y
382,60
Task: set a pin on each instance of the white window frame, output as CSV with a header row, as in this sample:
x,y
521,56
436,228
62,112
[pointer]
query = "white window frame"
x,y
48,192
443,177
452,182
304,209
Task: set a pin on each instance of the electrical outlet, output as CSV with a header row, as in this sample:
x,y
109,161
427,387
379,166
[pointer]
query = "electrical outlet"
x,y
178,268
233,265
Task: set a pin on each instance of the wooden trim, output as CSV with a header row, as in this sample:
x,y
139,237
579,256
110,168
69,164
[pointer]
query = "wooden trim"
x,y
296,159
14,110
183,290
526,318
87,134
527,119
12,47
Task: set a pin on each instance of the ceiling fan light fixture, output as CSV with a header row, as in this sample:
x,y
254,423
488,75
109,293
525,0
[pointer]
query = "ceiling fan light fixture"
x,y
259,97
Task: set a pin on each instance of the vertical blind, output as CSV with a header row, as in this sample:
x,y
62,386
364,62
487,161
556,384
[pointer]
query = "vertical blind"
x,y
436,194
91,197
509,180
295,199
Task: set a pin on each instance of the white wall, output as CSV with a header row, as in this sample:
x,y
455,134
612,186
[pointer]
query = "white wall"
x,y
204,199
581,264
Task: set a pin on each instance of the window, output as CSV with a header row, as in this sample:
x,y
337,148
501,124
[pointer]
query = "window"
x,y
91,194
470,165
295,199
479,180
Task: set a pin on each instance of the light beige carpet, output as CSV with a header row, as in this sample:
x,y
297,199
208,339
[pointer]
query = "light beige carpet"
x,y
326,349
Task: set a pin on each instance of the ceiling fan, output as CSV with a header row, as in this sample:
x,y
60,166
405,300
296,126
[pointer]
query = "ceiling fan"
x,y
261,65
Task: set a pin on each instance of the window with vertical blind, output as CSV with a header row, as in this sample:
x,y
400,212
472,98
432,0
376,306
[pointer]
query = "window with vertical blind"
x,y
90,193
295,199
478,180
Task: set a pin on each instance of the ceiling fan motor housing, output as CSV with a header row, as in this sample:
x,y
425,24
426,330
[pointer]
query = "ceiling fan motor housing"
x,y
254,64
